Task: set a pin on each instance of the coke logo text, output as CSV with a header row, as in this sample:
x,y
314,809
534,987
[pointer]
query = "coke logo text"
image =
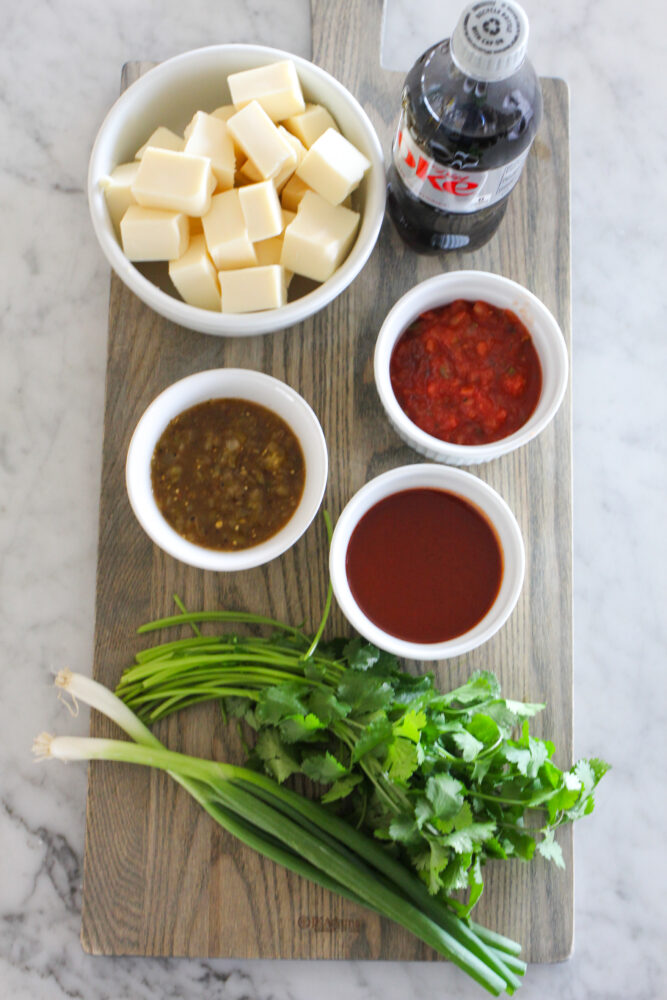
x,y
441,179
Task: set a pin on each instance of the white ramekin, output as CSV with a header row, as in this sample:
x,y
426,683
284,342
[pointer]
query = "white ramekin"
x,y
220,383
497,291
481,496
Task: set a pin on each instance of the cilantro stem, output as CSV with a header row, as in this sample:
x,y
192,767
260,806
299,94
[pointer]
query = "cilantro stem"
x,y
282,824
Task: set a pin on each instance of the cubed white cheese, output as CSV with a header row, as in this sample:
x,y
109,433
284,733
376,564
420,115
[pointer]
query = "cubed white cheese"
x,y
250,173
208,136
276,87
224,112
117,189
154,234
226,233
253,289
269,251
293,192
195,277
318,239
261,210
174,181
333,167
260,140
310,124
162,138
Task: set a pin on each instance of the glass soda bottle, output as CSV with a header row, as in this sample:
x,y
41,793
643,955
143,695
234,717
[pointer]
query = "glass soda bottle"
x,y
471,106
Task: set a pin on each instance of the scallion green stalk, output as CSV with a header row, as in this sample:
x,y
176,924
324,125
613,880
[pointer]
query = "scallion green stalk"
x,y
291,830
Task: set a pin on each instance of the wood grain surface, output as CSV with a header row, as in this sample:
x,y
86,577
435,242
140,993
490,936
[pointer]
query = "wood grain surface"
x,y
160,878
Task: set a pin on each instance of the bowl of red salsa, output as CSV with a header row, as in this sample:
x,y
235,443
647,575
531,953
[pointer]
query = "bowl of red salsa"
x,y
427,561
470,366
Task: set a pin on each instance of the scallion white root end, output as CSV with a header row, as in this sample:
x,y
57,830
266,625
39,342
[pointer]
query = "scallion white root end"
x,y
99,697
67,748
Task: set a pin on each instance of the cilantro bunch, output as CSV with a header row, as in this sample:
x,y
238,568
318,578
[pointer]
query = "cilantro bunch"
x,y
446,780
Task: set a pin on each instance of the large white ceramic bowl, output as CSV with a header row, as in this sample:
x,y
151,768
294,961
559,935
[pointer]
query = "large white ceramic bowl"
x,y
220,383
497,291
477,493
169,95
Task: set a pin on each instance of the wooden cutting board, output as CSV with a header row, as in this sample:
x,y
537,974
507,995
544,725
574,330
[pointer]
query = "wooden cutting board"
x,y
160,878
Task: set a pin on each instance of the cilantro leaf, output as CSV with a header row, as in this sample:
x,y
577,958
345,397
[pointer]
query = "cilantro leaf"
x,y
404,829
445,793
342,788
482,685
327,707
484,728
518,843
523,709
468,837
274,754
519,756
551,850
364,693
324,768
377,732
279,702
410,725
455,875
467,744
402,759
361,655
301,727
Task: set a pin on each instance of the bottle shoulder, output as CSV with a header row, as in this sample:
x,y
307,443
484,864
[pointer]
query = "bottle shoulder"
x,y
450,113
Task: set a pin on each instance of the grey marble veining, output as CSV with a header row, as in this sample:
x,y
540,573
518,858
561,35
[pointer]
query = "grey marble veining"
x,y
59,73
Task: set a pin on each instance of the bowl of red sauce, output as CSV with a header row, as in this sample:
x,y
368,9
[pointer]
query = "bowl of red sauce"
x,y
470,366
226,469
427,561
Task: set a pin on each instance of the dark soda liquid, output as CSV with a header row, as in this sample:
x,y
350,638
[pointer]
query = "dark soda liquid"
x,y
466,125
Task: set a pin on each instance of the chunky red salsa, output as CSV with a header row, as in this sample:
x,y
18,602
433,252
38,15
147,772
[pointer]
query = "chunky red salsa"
x,y
467,373
424,565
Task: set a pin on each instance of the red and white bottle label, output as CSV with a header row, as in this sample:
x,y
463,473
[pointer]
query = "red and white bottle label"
x,y
445,188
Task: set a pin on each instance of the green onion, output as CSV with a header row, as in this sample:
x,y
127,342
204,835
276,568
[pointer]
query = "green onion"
x,y
295,832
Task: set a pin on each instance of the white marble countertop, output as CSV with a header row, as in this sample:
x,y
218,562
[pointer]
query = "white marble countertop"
x,y
60,72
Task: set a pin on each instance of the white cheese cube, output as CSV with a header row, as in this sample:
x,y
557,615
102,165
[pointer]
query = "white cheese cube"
x,y
253,289
117,189
226,232
174,181
162,138
224,112
293,192
310,124
261,210
195,277
319,237
276,87
208,136
333,167
250,173
295,143
269,251
154,234
260,140
282,177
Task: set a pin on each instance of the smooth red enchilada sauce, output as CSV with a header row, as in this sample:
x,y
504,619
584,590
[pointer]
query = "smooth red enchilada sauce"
x,y
467,373
424,565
